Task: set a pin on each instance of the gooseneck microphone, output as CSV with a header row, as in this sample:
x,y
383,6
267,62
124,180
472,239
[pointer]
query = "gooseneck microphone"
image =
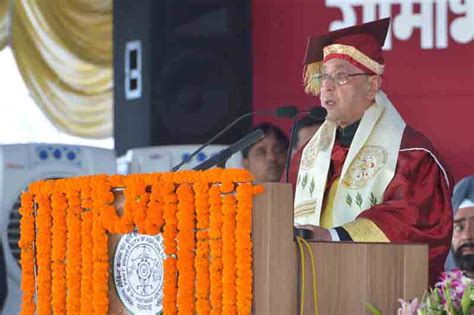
x,y
289,111
237,146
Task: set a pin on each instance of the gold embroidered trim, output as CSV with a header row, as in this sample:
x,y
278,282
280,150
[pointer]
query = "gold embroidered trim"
x,y
364,230
305,208
355,54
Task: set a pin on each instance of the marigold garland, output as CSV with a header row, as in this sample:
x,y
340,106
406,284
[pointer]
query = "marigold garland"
x,y
43,247
155,219
185,253
87,245
100,250
170,289
58,251
206,230
74,250
27,261
137,194
201,262
229,272
243,244
215,243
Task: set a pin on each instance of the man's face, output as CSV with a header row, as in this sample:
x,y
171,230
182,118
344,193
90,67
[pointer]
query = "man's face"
x,y
463,239
345,103
266,159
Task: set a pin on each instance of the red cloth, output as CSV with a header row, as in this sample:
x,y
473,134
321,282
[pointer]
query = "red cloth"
x,y
416,205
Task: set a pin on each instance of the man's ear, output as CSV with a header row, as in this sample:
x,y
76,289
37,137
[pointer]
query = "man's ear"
x,y
245,163
375,83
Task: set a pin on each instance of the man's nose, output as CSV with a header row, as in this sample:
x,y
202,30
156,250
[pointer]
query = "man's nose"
x,y
328,84
468,233
271,155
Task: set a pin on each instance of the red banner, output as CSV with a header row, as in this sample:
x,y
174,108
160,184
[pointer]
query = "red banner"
x,y
429,57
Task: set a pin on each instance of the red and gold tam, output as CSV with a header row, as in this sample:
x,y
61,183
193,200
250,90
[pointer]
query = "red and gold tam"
x,y
361,45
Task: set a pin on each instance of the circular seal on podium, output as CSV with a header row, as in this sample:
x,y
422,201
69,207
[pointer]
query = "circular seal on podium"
x,y
138,272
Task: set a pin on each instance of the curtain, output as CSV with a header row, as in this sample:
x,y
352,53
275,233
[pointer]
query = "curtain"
x,y
64,52
5,19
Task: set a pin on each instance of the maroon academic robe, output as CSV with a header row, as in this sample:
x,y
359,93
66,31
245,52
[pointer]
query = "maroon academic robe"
x,y
416,206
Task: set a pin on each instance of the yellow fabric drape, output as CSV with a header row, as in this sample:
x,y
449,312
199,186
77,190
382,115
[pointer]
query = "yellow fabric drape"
x,y
5,19
64,52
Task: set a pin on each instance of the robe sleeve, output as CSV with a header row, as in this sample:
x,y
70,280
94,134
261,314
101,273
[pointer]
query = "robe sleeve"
x,y
416,208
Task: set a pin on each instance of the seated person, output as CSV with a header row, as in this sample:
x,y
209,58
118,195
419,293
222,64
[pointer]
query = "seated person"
x,y
266,158
307,126
462,245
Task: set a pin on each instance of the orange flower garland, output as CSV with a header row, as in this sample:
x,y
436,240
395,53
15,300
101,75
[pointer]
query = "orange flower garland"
x,y
215,243
243,244
73,267
170,289
86,249
185,254
206,231
100,251
229,272
155,211
58,251
137,194
27,261
201,262
43,247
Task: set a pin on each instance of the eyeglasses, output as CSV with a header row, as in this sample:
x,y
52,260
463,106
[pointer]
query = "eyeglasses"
x,y
340,78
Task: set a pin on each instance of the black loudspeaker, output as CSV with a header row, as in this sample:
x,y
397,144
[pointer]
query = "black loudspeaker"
x,y
182,71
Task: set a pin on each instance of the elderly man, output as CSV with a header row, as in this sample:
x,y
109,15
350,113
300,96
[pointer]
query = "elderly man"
x,y
462,245
365,175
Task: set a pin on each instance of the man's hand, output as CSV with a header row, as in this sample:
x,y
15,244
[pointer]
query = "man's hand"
x,y
318,233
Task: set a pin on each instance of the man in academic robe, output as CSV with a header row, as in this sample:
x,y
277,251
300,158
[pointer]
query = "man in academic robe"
x,y
366,176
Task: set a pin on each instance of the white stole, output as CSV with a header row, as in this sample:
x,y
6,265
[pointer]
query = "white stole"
x,y
368,169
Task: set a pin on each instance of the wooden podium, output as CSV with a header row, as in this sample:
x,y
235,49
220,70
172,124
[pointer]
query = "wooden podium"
x,y
348,274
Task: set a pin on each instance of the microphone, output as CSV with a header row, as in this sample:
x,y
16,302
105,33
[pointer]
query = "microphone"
x,y
222,156
287,111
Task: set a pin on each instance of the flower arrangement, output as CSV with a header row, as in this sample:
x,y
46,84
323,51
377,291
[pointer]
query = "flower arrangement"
x,y
452,295
205,219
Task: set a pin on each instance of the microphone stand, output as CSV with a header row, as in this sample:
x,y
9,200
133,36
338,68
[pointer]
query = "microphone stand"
x,y
290,146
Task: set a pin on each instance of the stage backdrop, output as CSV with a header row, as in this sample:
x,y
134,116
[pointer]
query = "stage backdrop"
x,y
429,55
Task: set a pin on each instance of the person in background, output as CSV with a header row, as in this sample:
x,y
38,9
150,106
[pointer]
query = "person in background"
x,y
266,158
462,245
366,176
307,126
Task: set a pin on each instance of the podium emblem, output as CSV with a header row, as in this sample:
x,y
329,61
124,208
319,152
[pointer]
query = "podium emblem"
x,y
138,272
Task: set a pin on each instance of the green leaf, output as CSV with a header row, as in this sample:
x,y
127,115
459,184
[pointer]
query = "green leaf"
x,y
373,199
349,200
372,309
466,300
305,180
312,186
359,200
